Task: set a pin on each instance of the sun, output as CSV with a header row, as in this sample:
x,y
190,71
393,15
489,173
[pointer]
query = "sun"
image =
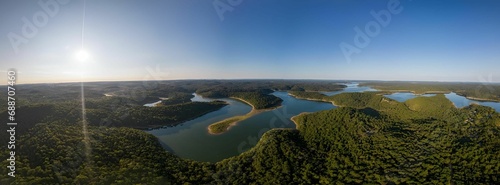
x,y
82,55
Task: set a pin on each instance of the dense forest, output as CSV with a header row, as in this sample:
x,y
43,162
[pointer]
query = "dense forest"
x,y
257,93
140,117
112,111
369,139
117,156
308,95
406,142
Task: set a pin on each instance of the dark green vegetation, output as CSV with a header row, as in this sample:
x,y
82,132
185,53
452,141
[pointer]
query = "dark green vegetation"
x,y
257,97
257,94
476,91
43,103
281,157
113,111
55,153
168,115
258,100
424,140
308,95
370,139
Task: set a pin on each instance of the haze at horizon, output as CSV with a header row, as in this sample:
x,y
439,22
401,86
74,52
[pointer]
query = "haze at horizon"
x,y
162,40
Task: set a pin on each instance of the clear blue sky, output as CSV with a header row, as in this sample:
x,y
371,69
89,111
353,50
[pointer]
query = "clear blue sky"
x,y
448,40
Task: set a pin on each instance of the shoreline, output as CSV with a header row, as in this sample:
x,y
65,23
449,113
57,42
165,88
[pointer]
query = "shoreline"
x,y
316,100
481,99
254,109
233,121
236,119
297,126
310,99
439,92
413,92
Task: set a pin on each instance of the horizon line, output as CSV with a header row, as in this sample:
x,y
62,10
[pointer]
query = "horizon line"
x,y
229,79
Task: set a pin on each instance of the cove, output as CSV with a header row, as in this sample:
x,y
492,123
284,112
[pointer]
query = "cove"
x,y
402,97
461,101
191,139
351,87
457,100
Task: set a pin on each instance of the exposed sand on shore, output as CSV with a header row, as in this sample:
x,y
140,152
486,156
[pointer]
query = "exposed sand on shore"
x,y
237,119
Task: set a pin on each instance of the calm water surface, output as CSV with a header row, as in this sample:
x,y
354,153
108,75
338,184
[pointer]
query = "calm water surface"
x,y
351,87
402,97
458,101
191,139
461,102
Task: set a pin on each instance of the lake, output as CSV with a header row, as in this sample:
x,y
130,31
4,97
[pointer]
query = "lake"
x,y
351,87
191,139
402,97
461,102
458,101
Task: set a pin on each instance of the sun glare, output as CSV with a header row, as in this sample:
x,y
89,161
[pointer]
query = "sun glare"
x,y
82,55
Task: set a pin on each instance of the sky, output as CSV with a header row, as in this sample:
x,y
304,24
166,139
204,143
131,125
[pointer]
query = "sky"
x,y
424,40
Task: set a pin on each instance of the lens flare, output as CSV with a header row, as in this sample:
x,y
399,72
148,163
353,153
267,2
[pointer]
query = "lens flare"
x,y
82,55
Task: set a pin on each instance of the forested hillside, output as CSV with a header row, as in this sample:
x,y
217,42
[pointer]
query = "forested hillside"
x,y
369,139
439,145
54,153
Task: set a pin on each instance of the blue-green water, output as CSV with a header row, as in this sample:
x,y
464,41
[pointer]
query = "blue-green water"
x,y
200,98
402,97
458,101
351,87
191,139
461,102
